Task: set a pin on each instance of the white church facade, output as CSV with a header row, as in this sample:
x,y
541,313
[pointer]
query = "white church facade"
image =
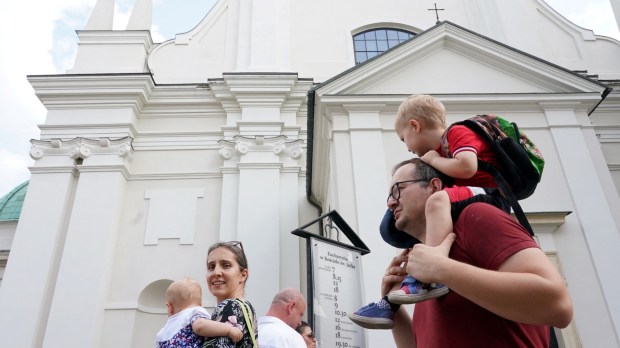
x,y
268,114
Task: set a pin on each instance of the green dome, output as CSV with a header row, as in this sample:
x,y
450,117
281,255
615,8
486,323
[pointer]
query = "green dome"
x,y
11,203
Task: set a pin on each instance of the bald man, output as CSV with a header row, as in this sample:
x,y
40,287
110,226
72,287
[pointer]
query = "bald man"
x,y
277,328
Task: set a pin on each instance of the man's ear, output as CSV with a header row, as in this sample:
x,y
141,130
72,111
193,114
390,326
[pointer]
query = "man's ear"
x,y
436,184
290,306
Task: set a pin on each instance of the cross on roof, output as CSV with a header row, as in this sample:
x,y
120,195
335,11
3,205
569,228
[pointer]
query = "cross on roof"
x,y
436,11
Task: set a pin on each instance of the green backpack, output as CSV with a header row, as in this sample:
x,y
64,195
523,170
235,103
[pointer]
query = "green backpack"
x,y
521,163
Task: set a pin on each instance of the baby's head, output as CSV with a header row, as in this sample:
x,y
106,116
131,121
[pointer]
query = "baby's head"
x,y
182,294
419,120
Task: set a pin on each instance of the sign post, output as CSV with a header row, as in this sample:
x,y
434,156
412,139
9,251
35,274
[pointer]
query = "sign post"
x,y
334,272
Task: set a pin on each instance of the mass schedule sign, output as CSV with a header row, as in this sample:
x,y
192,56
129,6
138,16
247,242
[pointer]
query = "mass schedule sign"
x,y
337,278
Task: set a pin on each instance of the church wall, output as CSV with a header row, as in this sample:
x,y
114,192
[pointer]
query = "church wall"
x,y
561,241
189,180
137,265
7,233
300,45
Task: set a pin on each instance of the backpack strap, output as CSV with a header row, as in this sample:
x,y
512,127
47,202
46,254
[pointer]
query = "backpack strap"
x,y
506,191
248,321
508,194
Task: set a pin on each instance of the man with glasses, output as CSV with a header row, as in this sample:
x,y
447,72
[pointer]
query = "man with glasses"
x,y
504,290
380,314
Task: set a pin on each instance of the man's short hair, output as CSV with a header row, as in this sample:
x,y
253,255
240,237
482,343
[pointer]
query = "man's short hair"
x,y
424,171
287,295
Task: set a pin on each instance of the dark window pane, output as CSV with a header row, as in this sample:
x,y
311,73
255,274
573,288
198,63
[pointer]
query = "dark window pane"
x,y
360,46
373,42
371,45
402,36
360,57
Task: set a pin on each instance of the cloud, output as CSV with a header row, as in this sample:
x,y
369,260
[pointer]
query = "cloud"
x,y
37,42
31,43
596,15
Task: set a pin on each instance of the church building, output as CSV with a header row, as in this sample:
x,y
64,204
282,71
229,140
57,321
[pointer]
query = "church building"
x,y
271,113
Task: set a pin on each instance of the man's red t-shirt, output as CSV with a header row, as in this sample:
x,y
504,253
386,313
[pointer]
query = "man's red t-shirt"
x,y
486,237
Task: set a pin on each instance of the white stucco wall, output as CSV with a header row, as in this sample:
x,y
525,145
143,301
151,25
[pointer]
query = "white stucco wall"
x,y
216,121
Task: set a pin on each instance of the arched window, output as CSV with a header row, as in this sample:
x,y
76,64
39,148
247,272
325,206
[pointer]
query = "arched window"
x,y
371,42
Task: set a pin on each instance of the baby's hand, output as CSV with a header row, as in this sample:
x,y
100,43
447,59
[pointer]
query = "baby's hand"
x,y
235,334
430,156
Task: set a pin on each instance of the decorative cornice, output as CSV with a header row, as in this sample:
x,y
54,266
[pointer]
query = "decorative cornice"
x,y
54,170
105,168
241,145
613,166
548,221
78,91
82,147
175,176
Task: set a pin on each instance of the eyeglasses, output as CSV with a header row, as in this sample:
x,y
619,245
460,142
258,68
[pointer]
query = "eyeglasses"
x,y
235,243
395,190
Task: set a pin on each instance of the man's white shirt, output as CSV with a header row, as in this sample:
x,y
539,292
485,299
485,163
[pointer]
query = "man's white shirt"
x,y
274,333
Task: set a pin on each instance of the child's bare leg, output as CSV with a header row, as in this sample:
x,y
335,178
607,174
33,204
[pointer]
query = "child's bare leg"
x,y
438,226
438,218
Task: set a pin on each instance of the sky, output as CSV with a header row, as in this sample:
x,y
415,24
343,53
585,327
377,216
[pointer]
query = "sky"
x,y
38,37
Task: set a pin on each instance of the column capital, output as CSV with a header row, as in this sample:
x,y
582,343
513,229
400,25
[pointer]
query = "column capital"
x,y
83,148
278,145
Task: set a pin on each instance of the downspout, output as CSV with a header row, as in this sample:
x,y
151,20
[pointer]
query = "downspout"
x,y
603,96
310,126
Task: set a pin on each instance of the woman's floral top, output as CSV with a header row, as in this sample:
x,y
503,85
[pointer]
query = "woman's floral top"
x,y
229,311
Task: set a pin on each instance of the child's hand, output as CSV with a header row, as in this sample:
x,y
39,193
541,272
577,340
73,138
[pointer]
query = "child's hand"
x,y
429,156
235,334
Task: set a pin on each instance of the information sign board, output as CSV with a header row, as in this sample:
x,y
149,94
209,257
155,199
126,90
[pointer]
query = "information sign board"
x,y
337,285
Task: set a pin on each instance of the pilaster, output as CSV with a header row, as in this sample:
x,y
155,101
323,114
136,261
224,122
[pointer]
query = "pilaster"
x,y
46,246
90,225
262,152
259,184
35,255
369,179
261,104
597,221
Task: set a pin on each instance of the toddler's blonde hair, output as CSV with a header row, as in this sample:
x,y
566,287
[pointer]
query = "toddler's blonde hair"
x,y
423,108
